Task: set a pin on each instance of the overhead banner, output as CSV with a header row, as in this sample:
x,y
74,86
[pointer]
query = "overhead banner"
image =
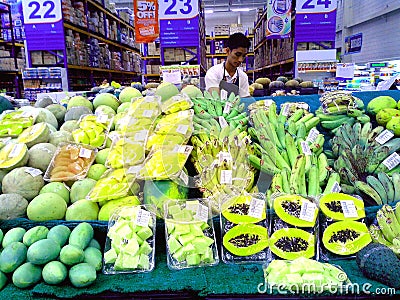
x,y
315,20
146,21
279,19
179,23
353,43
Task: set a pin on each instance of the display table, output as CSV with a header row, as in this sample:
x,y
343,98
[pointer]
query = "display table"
x,y
220,281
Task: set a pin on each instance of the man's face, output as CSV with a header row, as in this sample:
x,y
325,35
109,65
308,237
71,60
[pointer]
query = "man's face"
x,y
236,56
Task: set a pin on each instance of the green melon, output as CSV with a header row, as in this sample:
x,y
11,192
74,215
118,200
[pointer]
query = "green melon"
x,y
58,188
38,133
60,137
40,156
386,114
96,171
76,112
46,116
105,110
70,126
79,101
58,111
18,181
282,78
81,188
51,128
166,90
379,103
158,192
13,156
44,102
47,206
101,156
192,91
12,206
106,99
128,93
123,107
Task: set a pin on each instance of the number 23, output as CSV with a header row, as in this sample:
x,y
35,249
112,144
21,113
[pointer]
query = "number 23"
x,y
170,10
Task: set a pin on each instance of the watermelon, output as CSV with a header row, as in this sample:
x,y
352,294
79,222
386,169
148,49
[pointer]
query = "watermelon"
x,y
59,137
76,112
158,192
192,91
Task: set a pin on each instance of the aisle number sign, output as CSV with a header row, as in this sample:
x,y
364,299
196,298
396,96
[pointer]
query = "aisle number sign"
x,y
178,9
315,20
43,24
146,21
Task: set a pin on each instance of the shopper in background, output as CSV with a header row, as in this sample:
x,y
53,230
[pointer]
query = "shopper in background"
x,y
227,77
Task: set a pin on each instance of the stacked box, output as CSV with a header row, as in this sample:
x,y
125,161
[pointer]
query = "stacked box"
x,y
234,28
221,29
67,10
189,55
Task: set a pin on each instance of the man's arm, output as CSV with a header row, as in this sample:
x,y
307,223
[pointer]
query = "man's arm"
x,y
244,86
211,89
212,81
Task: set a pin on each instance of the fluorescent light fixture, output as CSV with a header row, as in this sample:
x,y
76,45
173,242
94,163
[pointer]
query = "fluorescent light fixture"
x,y
240,9
208,11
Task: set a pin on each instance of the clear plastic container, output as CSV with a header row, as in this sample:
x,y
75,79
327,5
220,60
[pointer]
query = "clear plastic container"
x,y
130,241
189,233
148,107
125,152
93,130
70,162
243,219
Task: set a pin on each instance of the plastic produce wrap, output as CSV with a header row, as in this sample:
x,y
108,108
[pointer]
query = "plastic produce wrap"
x,y
125,152
180,117
293,227
128,124
145,107
189,233
130,240
176,103
290,107
166,163
244,229
70,162
12,123
342,226
156,141
115,184
93,130
183,127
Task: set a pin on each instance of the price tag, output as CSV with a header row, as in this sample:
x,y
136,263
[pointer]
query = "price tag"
x,y
349,209
307,212
182,129
385,136
257,207
286,109
114,136
35,128
336,187
312,135
202,213
226,177
302,105
149,99
224,156
134,170
141,136
5,140
306,149
224,95
222,122
268,103
148,113
85,153
41,11
143,218
184,177
392,161
182,149
33,172
227,108
192,205
102,118
184,114
16,150
26,114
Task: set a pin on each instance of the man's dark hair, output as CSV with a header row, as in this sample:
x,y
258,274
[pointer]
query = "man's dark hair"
x,y
237,40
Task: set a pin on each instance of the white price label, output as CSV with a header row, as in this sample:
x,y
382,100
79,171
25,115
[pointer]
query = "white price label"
x,y
257,207
5,140
307,212
182,149
227,108
224,156
385,136
114,136
33,172
312,135
302,105
226,177
35,128
202,213
16,150
149,99
224,95
41,11
222,122
143,218
184,177
141,136
102,118
85,153
306,149
134,170
184,114
336,187
286,109
26,114
182,129
349,208
148,113
268,103
392,161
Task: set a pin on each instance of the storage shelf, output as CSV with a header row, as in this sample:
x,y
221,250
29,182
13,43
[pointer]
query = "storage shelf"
x,y
224,37
318,71
99,69
260,44
151,75
287,61
258,22
115,44
151,57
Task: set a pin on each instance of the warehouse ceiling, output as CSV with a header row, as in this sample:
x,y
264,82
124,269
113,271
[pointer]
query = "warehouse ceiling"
x,y
232,5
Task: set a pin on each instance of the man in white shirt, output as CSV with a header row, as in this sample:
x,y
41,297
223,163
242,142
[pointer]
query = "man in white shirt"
x,y
227,77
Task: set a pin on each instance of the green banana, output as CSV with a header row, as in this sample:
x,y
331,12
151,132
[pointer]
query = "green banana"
x,y
365,131
322,168
333,179
347,189
388,223
396,185
291,128
296,115
312,123
313,181
285,180
260,165
337,123
301,131
363,119
388,185
397,211
276,184
280,132
298,172
291,149
378,187
368,190
272,114
304,119
377,235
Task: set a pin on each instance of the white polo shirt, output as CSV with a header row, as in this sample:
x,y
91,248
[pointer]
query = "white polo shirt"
x,y
216,73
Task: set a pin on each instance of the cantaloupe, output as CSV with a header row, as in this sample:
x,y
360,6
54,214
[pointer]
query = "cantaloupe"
x,y
40,156
19,181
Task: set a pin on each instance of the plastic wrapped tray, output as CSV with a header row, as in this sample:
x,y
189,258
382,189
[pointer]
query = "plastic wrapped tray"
x,y
148,107
71,161
126,152
176,103
189,233
130,241
93,130
12,123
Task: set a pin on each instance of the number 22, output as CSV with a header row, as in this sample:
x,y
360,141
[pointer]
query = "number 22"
x,y
48,14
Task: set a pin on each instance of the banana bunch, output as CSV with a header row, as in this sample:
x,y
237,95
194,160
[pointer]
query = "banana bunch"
x,y
387,232
361,157
339,107
211,110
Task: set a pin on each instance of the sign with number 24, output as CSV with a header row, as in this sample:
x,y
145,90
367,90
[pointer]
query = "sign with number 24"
x,y
315,6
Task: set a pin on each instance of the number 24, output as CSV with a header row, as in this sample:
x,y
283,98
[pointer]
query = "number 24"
x,y
307,4
170,11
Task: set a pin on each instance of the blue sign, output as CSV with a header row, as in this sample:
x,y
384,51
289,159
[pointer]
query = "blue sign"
x,y
353,43
179,33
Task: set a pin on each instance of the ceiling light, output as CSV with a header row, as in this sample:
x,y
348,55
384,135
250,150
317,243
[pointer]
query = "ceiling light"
x,y
208,11
240,9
